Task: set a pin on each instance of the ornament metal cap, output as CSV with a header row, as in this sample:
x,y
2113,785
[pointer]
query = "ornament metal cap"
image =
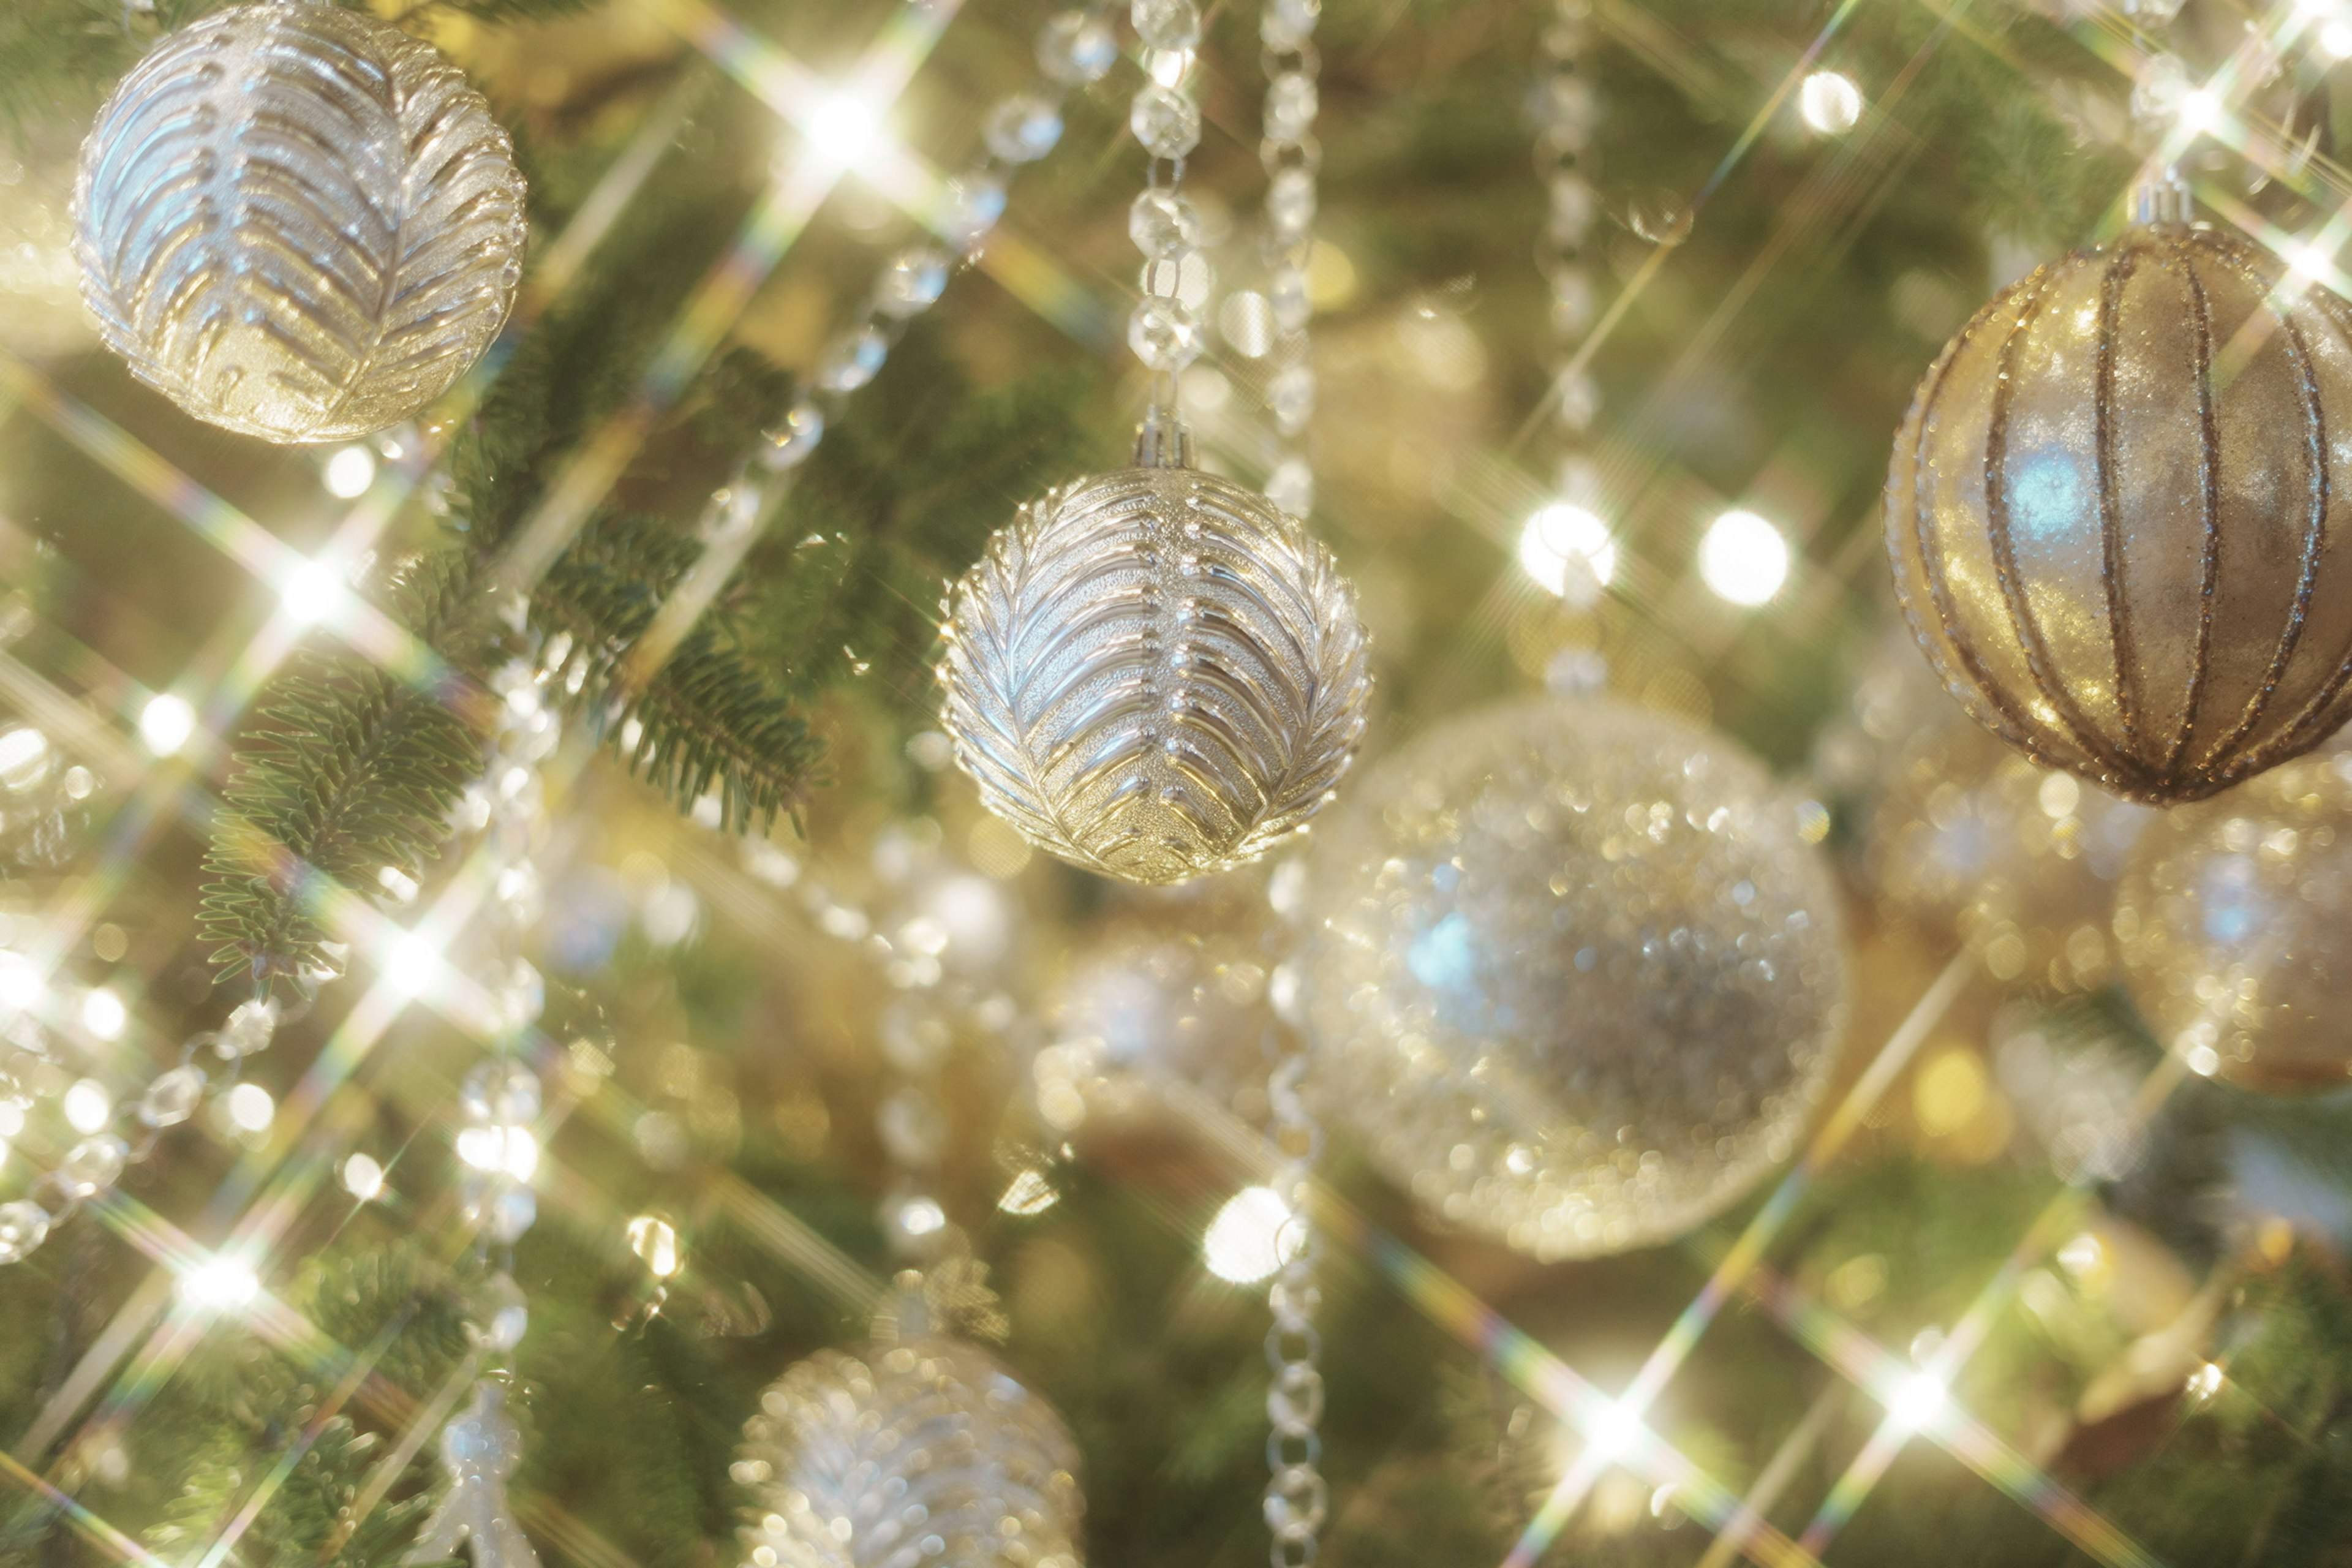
x,y
1161,441
2162,196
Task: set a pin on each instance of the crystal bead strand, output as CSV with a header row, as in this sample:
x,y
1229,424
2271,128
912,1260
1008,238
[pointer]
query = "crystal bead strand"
x,y
934,985
499,1104
43,794
1074,48
1164,328
1296,1497
1564,110
1293,158
93,1164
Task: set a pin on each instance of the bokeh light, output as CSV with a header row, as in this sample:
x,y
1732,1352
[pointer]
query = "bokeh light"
x,y
348,473
1568,551
1251,1236
165,723
1743,558
1830,102
363,1177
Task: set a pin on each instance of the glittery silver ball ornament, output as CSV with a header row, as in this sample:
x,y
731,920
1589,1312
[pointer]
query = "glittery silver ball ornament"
x,y
1154,673
904,1455
1574,974
297,222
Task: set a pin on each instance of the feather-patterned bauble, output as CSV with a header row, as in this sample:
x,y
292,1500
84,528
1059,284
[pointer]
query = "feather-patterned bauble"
x,y
925,1454
2235,920
1154,673
2115,514
297,222
1574,972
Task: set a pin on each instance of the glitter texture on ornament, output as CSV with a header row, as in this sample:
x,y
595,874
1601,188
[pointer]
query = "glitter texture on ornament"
x,y
1574,977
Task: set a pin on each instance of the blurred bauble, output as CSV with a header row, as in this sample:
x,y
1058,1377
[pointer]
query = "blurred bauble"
x,y
1895,700
925,1451
40,283
2114,514
1168,994
2075,1081
1154,674
44,801
2018,861
297,222
1574,974
2235,922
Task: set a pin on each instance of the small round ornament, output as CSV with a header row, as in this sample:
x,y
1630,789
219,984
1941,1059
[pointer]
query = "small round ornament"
x,y
1154,673
925,1451
1177,990
2235,918
1574,972
2114,510
297,222
2018,861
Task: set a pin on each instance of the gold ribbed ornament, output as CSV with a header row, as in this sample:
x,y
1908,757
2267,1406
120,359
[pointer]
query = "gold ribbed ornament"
x,y
920,1453
297,222
1574,974
1154,673
2235,920
2114,509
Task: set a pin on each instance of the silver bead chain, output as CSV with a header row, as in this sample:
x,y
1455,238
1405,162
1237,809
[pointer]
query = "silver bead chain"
x,y
1564,109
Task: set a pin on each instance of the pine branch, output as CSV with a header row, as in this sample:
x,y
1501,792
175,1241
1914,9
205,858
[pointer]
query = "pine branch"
x,y
354,770
357,771
898,501
242,1404
710,718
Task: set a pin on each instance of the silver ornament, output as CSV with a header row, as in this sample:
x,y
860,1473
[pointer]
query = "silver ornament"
x,y
902,1454
1154,673
297,222
481,1449
1574,974
1177,988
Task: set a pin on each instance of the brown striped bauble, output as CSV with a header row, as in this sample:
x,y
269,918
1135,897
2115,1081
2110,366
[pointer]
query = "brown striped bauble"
x,y
2120,514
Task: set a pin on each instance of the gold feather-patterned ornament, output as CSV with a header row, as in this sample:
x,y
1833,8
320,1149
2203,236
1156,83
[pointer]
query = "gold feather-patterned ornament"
x,y
1154,673
297,222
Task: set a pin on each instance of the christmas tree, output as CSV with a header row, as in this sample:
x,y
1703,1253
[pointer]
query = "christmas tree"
x,y
520,1033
